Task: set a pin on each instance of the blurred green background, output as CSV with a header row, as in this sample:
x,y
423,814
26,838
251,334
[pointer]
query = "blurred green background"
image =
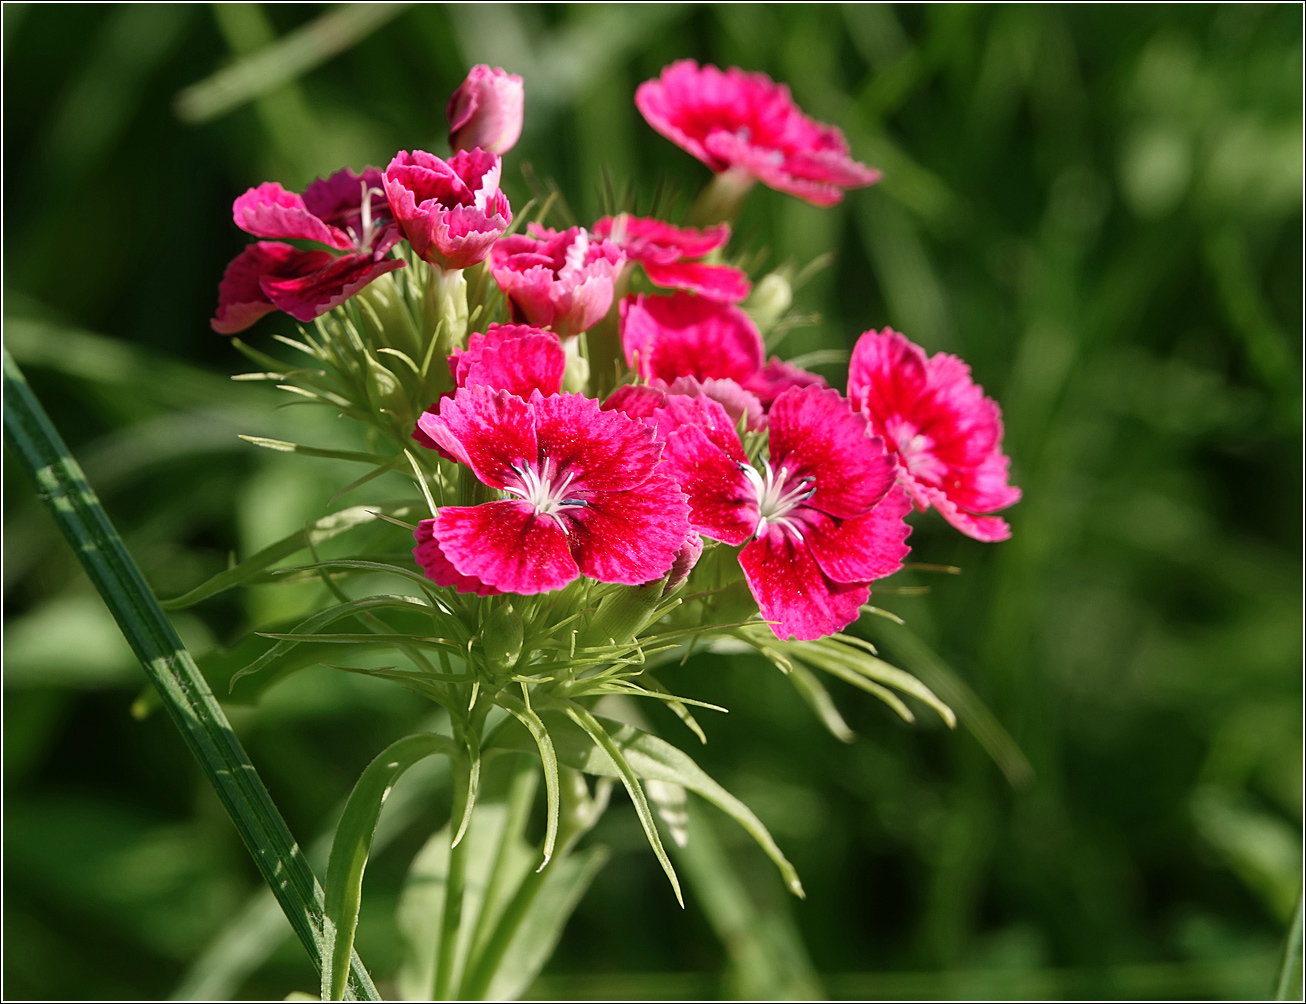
x,y
1098,207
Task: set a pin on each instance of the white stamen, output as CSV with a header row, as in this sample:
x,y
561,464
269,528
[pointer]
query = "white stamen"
x,y
544,490
775,500
365,213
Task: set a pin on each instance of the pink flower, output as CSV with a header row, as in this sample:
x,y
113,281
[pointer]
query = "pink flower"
x,y
513,357
747,123
451,211
945,434
346,212
588,497
486,111
685,335
668,255
777,376
643,400
562,281
824,514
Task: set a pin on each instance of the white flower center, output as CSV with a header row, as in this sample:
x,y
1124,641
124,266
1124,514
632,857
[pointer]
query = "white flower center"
x,y
545,490
777,496
364,241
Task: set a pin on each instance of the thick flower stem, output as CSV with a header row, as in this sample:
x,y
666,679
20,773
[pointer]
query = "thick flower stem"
x,y
722,199
444,315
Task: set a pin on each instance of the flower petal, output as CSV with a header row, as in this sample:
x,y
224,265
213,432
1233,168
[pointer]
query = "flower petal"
x,y
438,568
793,593
490,431
685,335
631,537
815,434
517,358
721,502
865,547
241,299
270,211
506,545
717,282
604,451
308,296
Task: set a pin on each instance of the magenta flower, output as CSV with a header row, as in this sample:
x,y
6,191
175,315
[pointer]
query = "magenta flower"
x,y
513,357
945,434
669,255
451,211
824,514
587,494
517,358
346,212
486,111
562,281
778,376
643,400
685,335
747,123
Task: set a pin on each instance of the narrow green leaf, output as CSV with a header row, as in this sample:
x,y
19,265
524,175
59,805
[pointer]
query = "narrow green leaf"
x,y
565,882
548,758
827,650
304,630
973,712
204,727
317,532
281,446
286,59
819,700
353,843
604,742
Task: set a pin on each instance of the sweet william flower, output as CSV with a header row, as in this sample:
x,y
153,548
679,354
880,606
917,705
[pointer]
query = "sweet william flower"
x,y
944,433
451,211
747,124
822,518
670,254
517,358
666,337
586,495
560,280
347,212
681,335
644,400
486,111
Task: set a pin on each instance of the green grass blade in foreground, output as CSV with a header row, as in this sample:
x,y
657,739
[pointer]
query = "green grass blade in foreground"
x,y
187,697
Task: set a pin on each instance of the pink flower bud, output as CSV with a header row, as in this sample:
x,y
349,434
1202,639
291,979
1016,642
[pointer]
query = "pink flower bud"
x,y
486,111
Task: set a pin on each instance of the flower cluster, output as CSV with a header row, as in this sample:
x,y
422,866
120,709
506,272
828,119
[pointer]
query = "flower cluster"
x,y
707,453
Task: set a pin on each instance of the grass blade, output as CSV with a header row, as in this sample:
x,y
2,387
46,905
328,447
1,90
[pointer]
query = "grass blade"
x,y
187,697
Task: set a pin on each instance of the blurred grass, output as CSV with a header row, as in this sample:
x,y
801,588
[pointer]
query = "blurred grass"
x,y
1099,208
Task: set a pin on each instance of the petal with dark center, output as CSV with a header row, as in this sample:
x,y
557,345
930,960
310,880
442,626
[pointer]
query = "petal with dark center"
x,y
631,536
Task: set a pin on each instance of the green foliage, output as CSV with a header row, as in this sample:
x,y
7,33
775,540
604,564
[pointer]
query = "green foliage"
x,y
1098,208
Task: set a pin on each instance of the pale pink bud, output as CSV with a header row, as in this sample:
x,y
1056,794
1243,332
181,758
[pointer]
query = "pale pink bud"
x,y
486,111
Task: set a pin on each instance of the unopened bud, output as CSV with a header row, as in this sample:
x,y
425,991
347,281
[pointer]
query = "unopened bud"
x,y
771,297
486,111
501,638
686,558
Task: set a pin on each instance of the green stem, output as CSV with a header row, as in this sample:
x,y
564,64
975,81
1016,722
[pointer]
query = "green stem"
x,y
455,886
186,695
722,199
